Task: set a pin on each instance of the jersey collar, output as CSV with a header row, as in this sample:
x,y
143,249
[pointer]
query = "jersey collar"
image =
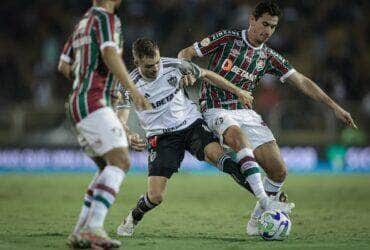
x,y
244,36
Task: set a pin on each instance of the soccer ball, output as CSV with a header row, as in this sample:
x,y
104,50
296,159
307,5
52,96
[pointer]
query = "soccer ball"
x,y
274,225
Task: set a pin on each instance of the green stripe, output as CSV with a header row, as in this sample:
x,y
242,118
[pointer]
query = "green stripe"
x,y
105,25
87,203
102,200
239,60
108,90
251,171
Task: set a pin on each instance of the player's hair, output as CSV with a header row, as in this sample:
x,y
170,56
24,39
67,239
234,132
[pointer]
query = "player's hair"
x,y
270,7
144,47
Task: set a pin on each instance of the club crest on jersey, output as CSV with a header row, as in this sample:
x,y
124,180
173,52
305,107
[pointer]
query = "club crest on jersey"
x,y
235,52
260,65
205,42
172,80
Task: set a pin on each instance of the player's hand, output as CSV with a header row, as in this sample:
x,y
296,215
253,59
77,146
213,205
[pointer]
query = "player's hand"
x,y
345,117
187,80
135,142
141,103
246,98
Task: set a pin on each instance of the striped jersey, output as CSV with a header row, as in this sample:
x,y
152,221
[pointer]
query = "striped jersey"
x,y
93,84
171,110
234,58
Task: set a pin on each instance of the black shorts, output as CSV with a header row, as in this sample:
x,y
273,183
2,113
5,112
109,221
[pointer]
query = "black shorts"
x,y
167,151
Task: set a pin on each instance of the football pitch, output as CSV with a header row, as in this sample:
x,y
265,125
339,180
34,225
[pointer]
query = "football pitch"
x,y
38,211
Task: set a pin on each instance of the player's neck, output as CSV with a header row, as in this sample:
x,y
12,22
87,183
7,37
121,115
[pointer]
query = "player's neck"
x,y
106,5
252,41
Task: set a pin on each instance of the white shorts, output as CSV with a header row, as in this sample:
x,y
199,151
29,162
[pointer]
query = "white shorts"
x,y
100,132
248,120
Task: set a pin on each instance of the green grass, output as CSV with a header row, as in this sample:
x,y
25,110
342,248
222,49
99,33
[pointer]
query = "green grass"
x,y
200,212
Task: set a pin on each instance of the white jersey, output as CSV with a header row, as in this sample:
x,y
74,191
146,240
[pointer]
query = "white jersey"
x,y
171,110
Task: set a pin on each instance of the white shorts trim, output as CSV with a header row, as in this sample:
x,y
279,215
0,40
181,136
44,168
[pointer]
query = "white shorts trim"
x,y
248,120
100,132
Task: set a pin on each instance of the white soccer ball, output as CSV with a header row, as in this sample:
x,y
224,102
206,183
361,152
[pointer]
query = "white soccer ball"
x,y
274,225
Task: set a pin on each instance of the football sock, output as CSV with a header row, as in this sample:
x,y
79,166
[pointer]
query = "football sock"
x,y
143,206
271,187
251,172
227,165
86,205
106,188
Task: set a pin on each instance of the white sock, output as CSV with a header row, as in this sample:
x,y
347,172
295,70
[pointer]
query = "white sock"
x,y
250,169
271,186
86,206
106,188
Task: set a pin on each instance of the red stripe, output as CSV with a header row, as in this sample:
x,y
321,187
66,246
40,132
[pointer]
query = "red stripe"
x,y
95,94
276,63
244,64
75,115
246,159
90,192
106,189
86,47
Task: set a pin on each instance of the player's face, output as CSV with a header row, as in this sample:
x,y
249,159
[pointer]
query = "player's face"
x,y
263,28
149,66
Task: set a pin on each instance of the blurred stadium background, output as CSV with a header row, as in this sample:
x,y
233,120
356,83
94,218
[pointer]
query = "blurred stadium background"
x,y
327,40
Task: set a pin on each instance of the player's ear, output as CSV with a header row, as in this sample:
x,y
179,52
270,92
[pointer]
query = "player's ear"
x,y
251,20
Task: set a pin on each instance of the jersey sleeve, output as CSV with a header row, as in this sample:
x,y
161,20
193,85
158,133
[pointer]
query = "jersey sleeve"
x,y
213,42
185,67
67,52
104,27
279,66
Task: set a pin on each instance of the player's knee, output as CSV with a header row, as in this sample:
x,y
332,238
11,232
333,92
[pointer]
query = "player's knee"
x,y
156,197
234,138
119,159
279,174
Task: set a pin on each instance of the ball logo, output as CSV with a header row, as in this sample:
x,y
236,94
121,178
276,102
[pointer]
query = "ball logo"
x,y
227,65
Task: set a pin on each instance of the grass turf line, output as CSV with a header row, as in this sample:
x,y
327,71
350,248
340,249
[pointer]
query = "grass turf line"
x,y
199,212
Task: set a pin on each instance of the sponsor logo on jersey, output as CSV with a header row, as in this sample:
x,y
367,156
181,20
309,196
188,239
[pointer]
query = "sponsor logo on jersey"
x,y
205,42
165,100
227,65
167,130
172,80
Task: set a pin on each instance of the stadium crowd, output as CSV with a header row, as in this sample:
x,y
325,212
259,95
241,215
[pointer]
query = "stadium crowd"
x,y
327,40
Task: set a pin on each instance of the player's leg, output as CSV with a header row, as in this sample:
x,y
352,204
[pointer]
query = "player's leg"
x,y
165,156
100,162
269,158
106,136
148,201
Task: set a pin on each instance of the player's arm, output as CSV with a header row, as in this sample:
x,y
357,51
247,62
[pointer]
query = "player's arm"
x,y
187,53
66,60
192,72
115,64
245,97
311,89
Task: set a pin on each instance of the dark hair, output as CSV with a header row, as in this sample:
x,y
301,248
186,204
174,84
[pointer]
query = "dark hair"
x,y
269,7
144,47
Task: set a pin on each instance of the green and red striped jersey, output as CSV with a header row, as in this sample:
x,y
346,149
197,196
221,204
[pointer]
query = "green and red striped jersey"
x,y
93,82
240,63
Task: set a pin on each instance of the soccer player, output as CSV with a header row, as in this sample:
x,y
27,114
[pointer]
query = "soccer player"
x,y
174,126
242,57
96,45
